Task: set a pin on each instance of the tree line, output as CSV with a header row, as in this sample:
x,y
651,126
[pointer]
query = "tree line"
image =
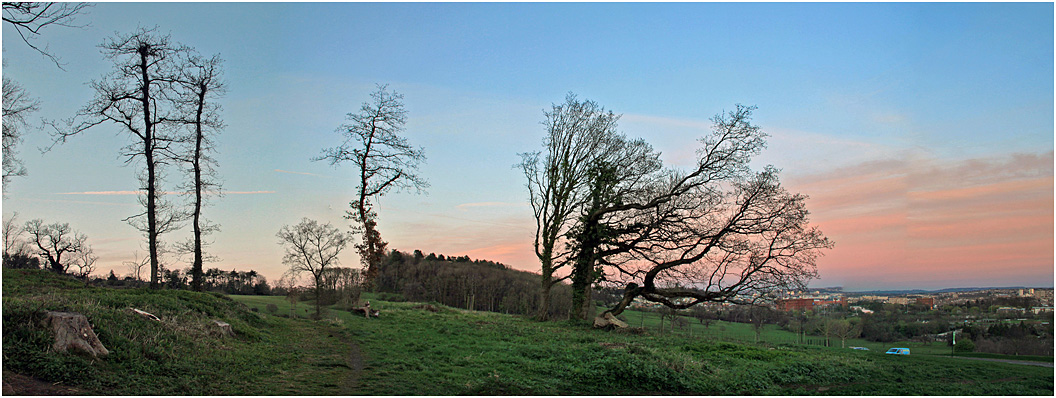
x,y
464,283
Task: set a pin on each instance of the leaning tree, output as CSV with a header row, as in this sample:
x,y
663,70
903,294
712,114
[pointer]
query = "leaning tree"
x,y
383,159
718,232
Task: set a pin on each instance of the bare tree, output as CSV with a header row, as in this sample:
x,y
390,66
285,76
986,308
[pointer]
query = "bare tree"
x,y
55,241
384,160
579,134
200,85
842,329
137,96
85,262
719,233
312,247
13,243
29,18
17,105
135,266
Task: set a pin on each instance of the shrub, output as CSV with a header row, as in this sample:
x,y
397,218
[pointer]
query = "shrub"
x,y
964,345
271,308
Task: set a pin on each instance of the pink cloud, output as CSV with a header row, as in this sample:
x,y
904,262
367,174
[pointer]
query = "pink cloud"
x,y
973,221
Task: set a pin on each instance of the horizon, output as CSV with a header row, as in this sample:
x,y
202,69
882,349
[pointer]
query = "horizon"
x,y
922,133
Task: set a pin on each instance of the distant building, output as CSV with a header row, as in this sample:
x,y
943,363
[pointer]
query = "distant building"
x,y
809,303
796,304
926,301
861,309
898,300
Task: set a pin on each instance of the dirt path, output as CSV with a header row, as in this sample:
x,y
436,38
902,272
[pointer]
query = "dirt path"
x,y
16,384
1012,361
352,385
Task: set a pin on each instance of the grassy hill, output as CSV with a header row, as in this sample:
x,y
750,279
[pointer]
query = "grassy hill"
x,y
412,350
181,355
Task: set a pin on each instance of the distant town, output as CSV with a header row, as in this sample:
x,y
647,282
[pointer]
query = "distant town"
x,y
835,296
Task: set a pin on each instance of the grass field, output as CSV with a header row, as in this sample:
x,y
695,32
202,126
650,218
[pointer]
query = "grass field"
x,y
415,350
412,351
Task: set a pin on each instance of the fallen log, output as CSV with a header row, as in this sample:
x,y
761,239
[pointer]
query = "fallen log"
x,y
145,314
362,312
609,321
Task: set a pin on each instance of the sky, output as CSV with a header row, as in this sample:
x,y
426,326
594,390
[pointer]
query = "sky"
x,y
922,133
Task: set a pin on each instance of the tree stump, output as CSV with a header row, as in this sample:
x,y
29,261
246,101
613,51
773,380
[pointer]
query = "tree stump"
x,y
73,333
223,328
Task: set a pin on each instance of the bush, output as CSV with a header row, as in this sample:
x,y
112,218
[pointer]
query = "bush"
x,y
964,345
271,308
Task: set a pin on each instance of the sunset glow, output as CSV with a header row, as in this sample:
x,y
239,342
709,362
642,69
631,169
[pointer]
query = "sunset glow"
x,y
922,133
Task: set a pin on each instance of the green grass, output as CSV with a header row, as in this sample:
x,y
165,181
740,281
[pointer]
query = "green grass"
x,y
181,355
411,351
772,334
1031,358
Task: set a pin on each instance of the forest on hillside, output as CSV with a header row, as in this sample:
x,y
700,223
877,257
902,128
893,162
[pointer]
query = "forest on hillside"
x,y
480,285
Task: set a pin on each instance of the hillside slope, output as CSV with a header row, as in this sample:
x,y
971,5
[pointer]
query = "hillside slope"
x,y
181,355
413,350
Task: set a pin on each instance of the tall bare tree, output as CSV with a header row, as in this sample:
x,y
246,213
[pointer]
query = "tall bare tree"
x,y
312,247
384,161
55,241
137,96
200,84
29,18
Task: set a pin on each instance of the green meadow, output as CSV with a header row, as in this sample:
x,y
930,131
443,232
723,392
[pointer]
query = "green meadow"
x,y
419,349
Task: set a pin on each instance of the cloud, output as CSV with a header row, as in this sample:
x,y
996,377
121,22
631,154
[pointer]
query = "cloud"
x,y
105,193
120,193
974,220
299,173
466,206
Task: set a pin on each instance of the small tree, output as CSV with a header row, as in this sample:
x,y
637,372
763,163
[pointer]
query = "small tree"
x,y
312,247
85,262
56,241
760,316
842,329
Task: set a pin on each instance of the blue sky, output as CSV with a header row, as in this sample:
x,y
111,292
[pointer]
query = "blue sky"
x,y
901,94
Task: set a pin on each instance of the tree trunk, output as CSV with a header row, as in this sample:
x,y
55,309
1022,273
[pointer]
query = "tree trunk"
x,y
196,267
545,286
148,154
583,273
